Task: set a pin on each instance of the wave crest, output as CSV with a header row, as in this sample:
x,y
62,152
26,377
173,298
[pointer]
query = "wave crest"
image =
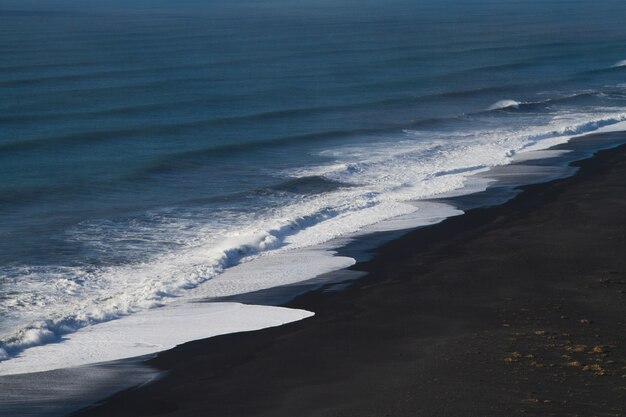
x,y
504,104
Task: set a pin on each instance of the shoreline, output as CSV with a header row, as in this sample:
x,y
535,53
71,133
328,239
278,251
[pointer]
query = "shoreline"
x,y
431,327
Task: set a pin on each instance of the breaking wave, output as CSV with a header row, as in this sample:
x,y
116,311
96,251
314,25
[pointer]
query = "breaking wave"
x,y
505,104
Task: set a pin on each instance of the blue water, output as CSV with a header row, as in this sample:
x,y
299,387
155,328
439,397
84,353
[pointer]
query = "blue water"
x,y
132,134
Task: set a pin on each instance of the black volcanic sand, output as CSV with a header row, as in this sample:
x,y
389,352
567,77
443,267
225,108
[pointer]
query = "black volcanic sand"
x,y
512,310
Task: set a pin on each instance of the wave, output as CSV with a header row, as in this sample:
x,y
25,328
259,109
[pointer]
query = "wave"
x,y
582,97
504,104
617,67
619,64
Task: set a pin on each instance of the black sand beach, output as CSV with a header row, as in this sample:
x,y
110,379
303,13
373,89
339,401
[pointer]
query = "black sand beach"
x,y
518,309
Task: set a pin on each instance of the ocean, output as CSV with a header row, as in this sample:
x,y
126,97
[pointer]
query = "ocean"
x,y
158,152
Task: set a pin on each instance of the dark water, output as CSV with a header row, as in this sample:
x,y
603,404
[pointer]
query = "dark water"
x,y
137,133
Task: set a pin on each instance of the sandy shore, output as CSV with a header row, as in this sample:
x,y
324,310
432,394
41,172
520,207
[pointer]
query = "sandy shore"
x,y
518,309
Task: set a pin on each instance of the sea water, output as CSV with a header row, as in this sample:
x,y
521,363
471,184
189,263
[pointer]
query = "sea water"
x,y
156,152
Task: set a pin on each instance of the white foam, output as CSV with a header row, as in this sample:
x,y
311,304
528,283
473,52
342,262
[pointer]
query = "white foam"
x,y
149,332
504,104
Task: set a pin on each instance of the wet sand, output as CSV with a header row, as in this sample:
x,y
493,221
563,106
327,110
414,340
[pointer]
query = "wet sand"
x,y
518,309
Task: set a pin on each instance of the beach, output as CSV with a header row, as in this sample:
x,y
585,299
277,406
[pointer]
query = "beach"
x,y
516,309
